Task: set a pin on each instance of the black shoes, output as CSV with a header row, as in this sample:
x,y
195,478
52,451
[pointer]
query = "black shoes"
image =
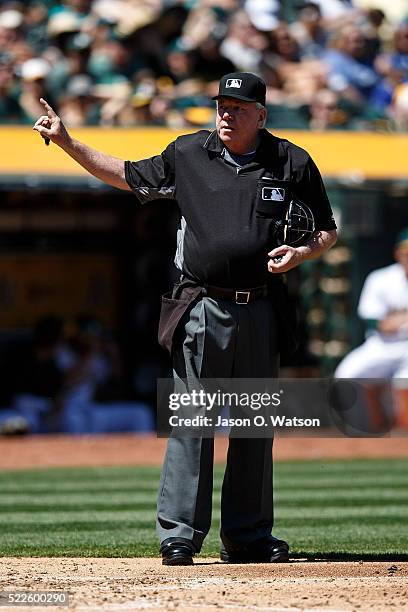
x,y
180,551
267,550
177,551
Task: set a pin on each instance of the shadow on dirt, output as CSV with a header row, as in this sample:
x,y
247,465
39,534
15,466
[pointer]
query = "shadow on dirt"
x,y
345,556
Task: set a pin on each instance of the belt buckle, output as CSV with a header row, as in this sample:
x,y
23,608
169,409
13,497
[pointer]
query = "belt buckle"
x,y
240,300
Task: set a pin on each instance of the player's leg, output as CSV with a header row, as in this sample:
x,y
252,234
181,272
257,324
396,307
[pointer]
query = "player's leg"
x,y
373,359
400,389
377,361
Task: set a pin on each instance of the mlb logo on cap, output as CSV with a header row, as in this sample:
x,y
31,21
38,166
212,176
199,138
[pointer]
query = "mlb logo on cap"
x,y
243,86
234,83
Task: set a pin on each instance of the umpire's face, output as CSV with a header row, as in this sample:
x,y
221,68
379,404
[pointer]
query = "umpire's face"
x,y
238,123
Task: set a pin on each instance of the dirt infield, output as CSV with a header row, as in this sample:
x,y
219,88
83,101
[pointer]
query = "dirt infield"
x,y
120,585
141,584
129,449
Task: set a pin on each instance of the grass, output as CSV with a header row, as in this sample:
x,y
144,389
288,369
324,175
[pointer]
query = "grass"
x,y
355,509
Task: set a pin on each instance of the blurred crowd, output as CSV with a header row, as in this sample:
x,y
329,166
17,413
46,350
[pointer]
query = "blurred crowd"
x,y
328,64
68,376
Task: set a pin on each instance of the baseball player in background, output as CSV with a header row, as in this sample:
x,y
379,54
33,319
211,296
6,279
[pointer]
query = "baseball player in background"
x,y
225,317
384,354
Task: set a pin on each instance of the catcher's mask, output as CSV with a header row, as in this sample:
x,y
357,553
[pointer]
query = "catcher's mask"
x,y
297,226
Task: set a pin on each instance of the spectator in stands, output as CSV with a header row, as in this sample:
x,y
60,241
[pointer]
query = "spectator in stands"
x,y
10,111
35,24
210,63
398,110
299,79
395,11
393,67
283,44
74,62
264,15
180,62
325,112
33,87
159,110
11,21
349,73
62,25
399,59
309,31
113,99
77,106
191,45
80,7
244,44
336,12
372,23
151,102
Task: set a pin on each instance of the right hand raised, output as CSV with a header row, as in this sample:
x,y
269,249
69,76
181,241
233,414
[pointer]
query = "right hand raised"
x,y
50,126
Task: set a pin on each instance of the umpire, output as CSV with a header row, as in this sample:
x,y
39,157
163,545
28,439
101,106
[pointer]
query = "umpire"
x,y
226,318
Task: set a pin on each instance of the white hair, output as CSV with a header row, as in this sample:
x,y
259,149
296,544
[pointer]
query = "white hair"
x,y
260,106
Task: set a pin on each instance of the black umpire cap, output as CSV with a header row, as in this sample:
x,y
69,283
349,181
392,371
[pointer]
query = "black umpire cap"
x,y
242,85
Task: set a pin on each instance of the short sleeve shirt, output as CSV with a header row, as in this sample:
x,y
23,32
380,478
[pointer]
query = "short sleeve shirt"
x,y
228,213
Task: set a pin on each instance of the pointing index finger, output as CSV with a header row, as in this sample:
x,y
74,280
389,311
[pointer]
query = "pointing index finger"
x,y
50,111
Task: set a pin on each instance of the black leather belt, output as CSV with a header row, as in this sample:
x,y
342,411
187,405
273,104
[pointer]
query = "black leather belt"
x,y
239,296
